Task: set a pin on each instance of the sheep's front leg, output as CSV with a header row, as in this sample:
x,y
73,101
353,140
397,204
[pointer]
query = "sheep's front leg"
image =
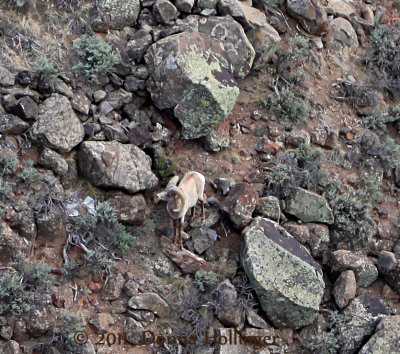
x,y
203,215
192,216
180,233
175,233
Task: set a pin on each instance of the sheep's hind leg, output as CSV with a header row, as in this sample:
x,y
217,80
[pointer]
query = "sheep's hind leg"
x,y
203,214
193,215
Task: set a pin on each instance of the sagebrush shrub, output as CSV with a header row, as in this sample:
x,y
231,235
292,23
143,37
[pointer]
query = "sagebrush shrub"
x,y
96,56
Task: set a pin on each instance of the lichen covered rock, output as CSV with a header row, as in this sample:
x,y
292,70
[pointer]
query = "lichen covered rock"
x,y
287,280
114,14
57,127
192,73
309,207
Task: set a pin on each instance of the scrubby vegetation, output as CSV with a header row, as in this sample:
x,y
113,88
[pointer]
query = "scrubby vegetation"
x,y
298,168
96,57
46,70
384,60
22,286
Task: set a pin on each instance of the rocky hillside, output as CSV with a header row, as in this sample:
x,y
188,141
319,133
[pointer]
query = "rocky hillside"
x,y
291,112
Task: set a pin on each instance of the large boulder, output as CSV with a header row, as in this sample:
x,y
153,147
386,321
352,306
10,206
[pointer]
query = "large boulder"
x,y
57,127
116,165
309,207
227,30
287,280
192,73
311,16
114,14
386,338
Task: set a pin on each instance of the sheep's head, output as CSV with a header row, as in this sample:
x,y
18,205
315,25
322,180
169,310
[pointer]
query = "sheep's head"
x,y
167,193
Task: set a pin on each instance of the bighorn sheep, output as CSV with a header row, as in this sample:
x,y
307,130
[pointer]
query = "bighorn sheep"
x,y
183,197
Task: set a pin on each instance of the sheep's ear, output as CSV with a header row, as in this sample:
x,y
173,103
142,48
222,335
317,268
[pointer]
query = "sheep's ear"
x,y
172,182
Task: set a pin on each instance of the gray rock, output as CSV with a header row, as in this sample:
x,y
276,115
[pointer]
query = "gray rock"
x,y
111,164
310,15
20,218
113,288
101,322
57,126
341,34
364,269
81,103
319,239
149,301
287,280
216,140
11,244
38,318
386,338
10,124
164,12
50,159
138,45
114,14
203,239
191,72
184,5
393,278
7,78
309,207
207,4
268,207
130,209
386,262
231,34
224,185
133,331
248,16
105,108
240,203
255,320
265,41
63,89
360,319
296,137
12,347
99,95
119,98
345,288
26,108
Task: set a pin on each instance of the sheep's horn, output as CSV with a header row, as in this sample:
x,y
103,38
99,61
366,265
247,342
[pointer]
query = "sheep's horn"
x,y
172,182
180,195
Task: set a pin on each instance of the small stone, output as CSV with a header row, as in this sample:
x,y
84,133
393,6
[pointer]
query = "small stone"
x,y
26,109
151,302
50,159
164,12
268,207
345,288
99,95
13,125
81,103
